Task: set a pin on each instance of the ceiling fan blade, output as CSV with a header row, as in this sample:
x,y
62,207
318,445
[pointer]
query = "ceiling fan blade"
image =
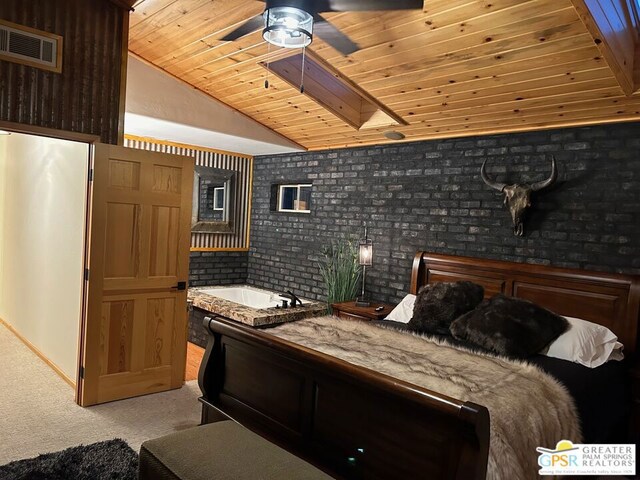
x,y
334,37
368,5
250,26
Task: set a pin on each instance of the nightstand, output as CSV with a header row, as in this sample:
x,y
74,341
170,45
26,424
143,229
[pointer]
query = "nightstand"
x,y
349,311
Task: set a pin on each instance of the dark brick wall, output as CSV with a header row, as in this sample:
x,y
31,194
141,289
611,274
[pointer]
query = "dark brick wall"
x,y
429,196
197,332
217,268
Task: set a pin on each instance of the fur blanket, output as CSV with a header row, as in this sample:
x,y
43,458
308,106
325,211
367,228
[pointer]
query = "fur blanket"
x,y
528,408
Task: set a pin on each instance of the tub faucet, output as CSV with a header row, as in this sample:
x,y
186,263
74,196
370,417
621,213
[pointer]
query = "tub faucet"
x,y
292,296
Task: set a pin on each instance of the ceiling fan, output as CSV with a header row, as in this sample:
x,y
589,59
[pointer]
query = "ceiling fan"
x,y
292,23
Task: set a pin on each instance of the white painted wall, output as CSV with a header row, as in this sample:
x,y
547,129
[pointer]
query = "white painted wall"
x,y
161,107
3,176
41,240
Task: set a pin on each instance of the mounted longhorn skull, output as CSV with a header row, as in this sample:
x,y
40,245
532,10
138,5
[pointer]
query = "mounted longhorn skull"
x,y
518,196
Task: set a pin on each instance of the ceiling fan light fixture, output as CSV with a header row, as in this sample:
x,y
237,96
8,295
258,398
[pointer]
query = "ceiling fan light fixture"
x,y
288,27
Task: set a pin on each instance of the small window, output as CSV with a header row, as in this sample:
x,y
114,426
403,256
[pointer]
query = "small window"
x,y
294,198
218,198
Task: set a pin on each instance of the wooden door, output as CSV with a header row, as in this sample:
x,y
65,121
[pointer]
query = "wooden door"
x,y
134,335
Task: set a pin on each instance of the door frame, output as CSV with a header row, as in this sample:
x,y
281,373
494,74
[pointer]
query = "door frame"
x,y
48,132
85,277
90,140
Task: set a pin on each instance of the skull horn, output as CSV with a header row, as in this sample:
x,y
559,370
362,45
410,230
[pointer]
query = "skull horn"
x,y
549,181
488,181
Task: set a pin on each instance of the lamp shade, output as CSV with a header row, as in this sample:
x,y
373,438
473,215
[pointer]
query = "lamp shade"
x,y
287,27
365,252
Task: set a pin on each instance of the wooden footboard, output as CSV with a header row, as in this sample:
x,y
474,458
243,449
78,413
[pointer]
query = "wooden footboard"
x,y
350,421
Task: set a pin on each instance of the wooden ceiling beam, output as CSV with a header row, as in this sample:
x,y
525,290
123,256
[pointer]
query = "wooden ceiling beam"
x,y
610,23
329,89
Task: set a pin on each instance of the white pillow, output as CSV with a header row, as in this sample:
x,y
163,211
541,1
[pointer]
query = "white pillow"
x,y
403,311
586,343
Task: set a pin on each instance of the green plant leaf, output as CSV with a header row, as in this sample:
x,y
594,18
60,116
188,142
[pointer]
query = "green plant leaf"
x,y
340,270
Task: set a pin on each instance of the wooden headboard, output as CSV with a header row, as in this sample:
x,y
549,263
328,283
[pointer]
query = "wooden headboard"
x,y
612,300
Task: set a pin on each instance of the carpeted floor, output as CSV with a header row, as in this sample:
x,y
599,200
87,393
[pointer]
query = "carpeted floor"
x,y
110,460
38,414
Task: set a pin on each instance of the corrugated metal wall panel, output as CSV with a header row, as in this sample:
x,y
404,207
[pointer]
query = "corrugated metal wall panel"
x,y
85,97
241,164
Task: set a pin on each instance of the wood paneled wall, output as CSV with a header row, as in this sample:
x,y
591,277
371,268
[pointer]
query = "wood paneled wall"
x,y
88,96
241,164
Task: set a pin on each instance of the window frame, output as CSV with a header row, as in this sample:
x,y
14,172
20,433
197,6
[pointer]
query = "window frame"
x,y
215,199
298,186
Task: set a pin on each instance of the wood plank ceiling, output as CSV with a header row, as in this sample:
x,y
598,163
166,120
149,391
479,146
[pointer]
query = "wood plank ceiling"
x,y
460,67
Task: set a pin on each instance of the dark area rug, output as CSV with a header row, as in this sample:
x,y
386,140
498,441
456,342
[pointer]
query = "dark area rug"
x,y
110,460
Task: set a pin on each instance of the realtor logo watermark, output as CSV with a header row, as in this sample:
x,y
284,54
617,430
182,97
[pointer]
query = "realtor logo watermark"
x,y
587,459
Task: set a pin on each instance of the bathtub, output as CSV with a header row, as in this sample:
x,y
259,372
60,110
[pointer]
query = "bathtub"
x,y
245,304
247,296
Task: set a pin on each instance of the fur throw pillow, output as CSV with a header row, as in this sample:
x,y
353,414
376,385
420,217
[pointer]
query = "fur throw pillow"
x,y
509,326
440,304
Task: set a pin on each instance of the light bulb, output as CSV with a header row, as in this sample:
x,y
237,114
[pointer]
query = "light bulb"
x,y
290,22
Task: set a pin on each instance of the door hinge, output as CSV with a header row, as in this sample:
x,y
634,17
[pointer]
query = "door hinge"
x,y
86,274
81,373
91,174
181,286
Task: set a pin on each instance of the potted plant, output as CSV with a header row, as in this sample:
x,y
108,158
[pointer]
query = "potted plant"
x,y
340,270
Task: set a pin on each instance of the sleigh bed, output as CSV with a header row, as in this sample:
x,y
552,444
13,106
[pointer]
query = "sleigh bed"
x,y
354,422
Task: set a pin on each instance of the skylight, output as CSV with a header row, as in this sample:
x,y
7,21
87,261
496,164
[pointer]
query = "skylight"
x,y
634,18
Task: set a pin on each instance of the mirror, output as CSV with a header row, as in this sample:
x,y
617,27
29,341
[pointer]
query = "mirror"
x,y
213,200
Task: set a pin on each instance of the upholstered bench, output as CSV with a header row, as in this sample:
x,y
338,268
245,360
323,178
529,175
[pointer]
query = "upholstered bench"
x,y
220,451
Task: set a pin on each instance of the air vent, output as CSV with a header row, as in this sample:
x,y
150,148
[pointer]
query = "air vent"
x,y
30,47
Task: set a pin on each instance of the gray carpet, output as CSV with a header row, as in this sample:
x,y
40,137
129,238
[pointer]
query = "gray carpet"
x,y
110,460
38,414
